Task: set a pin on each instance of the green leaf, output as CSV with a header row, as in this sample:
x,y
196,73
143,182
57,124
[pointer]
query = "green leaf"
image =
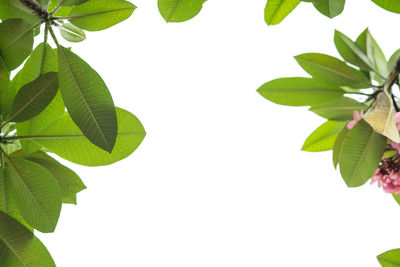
x,y
396,197
323,138
390,258
68,180
100,14
73,2
330,8
72,33
337,147
34,97
70,200
65,139
361,153
16,42
276,10
390,5
5,89
393,59
299,91
179,10
37,193
87,99
62,11
340,109
332,70
10,9
351,52
19,247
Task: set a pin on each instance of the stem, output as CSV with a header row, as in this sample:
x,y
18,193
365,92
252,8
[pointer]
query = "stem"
x,y
53,35
46,34
57,8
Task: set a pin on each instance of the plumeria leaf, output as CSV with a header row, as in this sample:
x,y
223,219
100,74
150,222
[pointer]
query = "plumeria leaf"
x,y
62,11
16,42
73,2
70,200
87,99
390,258
276,10
19,247
381,117
5,89
11,9
338,145
179,10
100,14
330,8
340,109
72,33
396,197
332,70
323,138
299,91
393,59
390,5
361,153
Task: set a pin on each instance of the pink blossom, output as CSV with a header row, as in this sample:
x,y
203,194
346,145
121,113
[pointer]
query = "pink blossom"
x,y
397,117
356,118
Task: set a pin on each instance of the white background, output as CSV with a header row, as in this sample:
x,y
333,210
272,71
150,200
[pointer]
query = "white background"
x,y
220,179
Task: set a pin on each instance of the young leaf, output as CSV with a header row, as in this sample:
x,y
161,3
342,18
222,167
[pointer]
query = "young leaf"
x,y
11,9
19,247
323,138
332,70
16,42
100,14
393,6
337,147
276,10
37,193
63,138
68,180
5,89
299,91
330,8
361,153
381,117
390,258
72,33
34,97
87,99
351,52
340,109
179,10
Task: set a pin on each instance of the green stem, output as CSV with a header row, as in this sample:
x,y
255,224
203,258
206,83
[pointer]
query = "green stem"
x,y
46,33
53,35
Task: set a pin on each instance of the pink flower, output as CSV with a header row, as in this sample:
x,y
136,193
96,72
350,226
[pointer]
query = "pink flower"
x,y
397,117
356,118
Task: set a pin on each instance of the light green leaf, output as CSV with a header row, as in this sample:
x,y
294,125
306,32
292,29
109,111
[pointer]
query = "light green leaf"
x,y
393,59
100,14
323,138
390,258
390,5
5,89
351,52
361,153
72,33
68,180
16,42
337,147
73,2
70,200
276,10
62,11
332,70
339,109
299,91
179,10
37,193
87,99
65,139
397,198
34,97
11,9
19,247
330,8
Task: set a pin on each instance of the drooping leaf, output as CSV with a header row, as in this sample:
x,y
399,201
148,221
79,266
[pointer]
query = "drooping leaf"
x,y
337,147
37,193
87,99
65,139
100,14
34,97
68,180
323,138
16,42
332,70
390,258
299,91
5,89
381,117
361,153
19,247
390,5
330,8
72,33
351,52
276,10
179,10
340,109
11,9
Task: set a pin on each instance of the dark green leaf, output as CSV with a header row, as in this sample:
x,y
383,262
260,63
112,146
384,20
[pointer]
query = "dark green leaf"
x,y
361,153
323,138
391,5
100,14
16,42
179,10
5,89
299,91
330,8
276,10
337,147
72,33
390,258
339,109
10,9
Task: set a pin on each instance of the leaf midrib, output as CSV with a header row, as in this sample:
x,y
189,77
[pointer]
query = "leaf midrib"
x,y
13,250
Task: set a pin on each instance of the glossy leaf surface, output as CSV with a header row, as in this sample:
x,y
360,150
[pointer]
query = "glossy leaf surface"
x,y
330,8
276,10
179,10
72,33
337,147
391,5
390,258
338,109
323,138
